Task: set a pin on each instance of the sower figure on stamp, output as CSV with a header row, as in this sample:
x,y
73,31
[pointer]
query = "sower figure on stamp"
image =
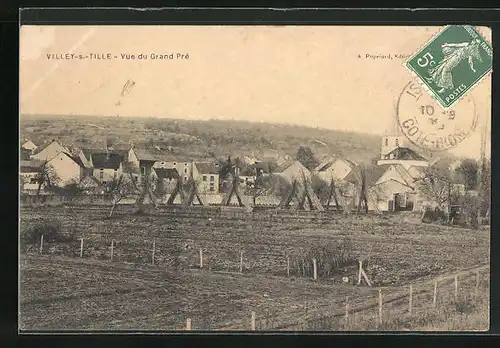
x,y
454,53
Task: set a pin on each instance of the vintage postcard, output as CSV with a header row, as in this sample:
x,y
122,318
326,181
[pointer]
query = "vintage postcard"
x,y
254,178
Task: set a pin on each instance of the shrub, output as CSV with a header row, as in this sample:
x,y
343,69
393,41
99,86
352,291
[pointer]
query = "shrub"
x,y
329,259
50,229
464,305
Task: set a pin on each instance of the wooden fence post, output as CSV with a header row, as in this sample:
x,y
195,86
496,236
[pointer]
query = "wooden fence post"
x,y
188,324
201,258
456,287
410,300
315,269
241,262
81,248
434,298
253,321
153,253
380,306
477,283
306,324
347,310
112,248
359,272
288,266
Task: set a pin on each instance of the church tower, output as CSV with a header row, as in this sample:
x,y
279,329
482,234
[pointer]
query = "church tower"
x,y
392,138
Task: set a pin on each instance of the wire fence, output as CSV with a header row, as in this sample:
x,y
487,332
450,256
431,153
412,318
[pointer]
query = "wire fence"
x,y
379,308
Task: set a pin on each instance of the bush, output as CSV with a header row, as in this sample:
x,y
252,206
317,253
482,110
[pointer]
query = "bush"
x,y
50,229
329,259
464,305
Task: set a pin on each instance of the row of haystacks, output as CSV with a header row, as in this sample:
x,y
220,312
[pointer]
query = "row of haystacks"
x,y
330,259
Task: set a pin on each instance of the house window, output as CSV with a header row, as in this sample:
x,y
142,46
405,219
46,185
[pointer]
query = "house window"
x,y
114,174
33,181
143,170
185,178
204,178
175,163
101,174
397,142
386,142
212,186
185,170
212,178
185,164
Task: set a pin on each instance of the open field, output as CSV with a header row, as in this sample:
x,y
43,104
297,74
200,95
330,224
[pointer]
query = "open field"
x,y
398,248
60,290
77,294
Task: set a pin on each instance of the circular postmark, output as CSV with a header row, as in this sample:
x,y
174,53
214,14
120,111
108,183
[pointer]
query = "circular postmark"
x,y
427,124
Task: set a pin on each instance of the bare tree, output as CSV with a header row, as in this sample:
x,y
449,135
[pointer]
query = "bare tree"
x,y
120,188
47,179
144,189
437,186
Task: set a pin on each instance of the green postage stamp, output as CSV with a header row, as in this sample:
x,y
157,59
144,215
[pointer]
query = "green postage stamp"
x,y
452,63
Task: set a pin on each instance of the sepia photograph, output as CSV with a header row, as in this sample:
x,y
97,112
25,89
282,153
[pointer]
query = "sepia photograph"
x,y
254,178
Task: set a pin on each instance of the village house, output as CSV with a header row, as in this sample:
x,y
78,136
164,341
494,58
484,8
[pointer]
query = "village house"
x,y
337,169
164,179
29,146
293,170
207,177
106,167
68,169
89,185
183,165
143,160
392,186
394,190
49,151
29,172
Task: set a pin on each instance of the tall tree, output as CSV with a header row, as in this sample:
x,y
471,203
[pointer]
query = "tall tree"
x,y
468,169
306,157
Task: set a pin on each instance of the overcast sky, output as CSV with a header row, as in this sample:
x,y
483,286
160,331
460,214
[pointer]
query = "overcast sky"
x,y
301,75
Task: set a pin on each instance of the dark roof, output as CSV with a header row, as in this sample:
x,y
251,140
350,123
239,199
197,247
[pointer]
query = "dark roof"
x,y
266,166
106,161
404,153
75,158
32,166
166,173
146,155
25,154
325,165
373,173
207,168
444,162
284,166
27,167
88,152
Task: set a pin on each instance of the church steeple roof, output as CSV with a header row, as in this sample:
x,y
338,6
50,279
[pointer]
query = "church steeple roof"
x,y
393,126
